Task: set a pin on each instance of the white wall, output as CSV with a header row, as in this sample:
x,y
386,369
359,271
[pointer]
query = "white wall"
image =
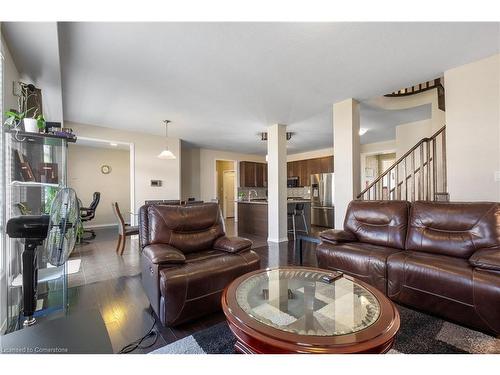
x,y
208,183
190,171
311,154
277,191
84,165
10,74
408,135
35,49
346,159
410,101
473,130
378,147
147,166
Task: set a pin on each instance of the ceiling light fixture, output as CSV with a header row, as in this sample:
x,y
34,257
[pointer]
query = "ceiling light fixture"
x,y
362,131
113,144
263,136
166,154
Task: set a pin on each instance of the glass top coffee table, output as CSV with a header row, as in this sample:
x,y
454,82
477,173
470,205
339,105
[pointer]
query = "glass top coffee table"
x,y
293,310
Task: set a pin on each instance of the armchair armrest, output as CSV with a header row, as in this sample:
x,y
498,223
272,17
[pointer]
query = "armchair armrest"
x,y
336,236
232,244
163,254
488,258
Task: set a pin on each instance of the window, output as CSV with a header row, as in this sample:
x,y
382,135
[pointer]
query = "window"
x,y
3,277
2,173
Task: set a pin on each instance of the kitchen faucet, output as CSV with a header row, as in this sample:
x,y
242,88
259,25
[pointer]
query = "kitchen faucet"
x,y
250,194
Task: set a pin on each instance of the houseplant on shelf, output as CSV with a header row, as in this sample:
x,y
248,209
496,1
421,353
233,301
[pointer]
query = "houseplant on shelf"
x,y
32,118
32,125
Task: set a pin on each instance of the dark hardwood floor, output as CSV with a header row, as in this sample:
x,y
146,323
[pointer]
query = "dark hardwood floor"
x,y
113,285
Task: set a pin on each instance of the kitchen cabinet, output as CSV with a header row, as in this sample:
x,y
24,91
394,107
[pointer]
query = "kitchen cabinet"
x,y
303,169
247,174
253,174
327,164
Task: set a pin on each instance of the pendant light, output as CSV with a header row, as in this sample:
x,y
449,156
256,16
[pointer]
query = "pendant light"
x,y
166,154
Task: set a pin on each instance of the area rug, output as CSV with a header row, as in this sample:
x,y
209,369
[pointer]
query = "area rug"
x,y
419,334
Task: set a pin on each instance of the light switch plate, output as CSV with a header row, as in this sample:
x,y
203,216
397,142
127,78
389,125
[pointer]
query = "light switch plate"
x,y
497,176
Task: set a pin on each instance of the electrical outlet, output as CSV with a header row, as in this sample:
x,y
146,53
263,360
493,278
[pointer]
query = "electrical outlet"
x,y
497,176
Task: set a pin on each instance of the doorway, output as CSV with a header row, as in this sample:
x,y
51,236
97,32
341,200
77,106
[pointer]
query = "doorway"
x,y
107,167
228,194
226,187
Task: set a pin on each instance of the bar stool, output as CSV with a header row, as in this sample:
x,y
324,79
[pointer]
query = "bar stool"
x,y
297,211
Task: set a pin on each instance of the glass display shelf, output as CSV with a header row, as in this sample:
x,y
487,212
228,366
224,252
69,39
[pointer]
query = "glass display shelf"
x,y
35,170
40,138
34,184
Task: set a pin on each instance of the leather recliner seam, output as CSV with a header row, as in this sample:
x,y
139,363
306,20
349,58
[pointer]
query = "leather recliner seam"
x,y
437,295
474,303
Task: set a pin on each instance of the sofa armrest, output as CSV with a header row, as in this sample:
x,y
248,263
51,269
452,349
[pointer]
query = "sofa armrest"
x,y
232,244
336,236
488,258
163,254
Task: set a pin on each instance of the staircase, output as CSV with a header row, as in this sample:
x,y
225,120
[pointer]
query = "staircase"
x,y
420,174
421,87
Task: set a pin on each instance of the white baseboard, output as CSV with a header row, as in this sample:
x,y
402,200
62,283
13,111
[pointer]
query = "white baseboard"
x,y
97,226
274,240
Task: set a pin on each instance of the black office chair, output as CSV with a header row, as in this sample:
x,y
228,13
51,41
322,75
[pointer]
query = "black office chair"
x,y
87,214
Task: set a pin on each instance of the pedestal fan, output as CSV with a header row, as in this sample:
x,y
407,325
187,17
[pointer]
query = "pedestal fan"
x,y
58,230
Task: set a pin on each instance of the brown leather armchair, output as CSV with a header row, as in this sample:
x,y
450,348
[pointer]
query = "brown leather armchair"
x,y
187,260
443,258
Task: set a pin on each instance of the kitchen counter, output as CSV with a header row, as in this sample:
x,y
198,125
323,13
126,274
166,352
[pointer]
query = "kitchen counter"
x,y
289,201
252,216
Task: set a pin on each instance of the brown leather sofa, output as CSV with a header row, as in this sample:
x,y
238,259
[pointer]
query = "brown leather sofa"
x,y
442,258
187,260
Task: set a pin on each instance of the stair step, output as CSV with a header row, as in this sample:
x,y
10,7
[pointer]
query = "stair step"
x,y
442,197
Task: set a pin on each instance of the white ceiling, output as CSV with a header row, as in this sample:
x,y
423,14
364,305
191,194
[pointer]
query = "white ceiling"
x,y
222,83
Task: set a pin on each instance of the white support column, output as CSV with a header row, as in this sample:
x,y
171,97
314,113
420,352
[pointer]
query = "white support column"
x,y
276,187
346,156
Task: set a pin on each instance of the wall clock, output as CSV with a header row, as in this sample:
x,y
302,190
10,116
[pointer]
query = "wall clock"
x,y
105,169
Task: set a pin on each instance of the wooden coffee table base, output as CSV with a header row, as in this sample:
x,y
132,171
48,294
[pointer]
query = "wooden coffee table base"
x,y
254,337
246,344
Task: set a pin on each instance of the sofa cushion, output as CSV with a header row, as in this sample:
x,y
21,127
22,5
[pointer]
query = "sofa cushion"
x,y
454,229
364,261
187,228
429,274
195,288
381,223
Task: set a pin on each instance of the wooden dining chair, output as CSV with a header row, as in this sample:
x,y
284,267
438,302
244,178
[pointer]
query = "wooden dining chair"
x,y
124,229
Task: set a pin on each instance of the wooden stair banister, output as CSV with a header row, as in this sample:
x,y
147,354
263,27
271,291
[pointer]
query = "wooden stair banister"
x,y
421,87
428,173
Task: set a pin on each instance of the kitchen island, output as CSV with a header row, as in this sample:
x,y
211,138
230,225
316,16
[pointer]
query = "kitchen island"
x,y
252,216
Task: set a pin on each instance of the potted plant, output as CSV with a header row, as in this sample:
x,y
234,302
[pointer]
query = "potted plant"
x,y
32,125
35,122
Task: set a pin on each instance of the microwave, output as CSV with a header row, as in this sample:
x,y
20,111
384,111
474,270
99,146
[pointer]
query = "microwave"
x,y
292,182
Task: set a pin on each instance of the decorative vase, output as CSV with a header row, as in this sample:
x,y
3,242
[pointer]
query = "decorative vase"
x,y
30,125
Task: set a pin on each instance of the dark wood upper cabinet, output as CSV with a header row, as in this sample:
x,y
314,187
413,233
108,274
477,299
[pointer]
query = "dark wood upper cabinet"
x,y
326,164
259,175
303,169
253,174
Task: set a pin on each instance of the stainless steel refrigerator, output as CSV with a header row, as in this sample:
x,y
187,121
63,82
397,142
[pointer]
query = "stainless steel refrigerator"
x,y
322,211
